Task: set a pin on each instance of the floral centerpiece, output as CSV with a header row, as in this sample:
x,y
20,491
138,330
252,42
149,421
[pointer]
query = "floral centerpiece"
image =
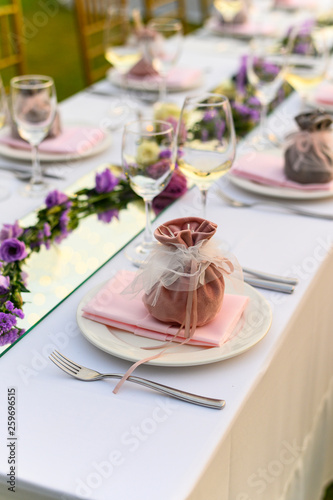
x,y
54,222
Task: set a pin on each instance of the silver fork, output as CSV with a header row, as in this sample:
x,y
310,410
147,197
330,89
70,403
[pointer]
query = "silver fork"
x,y
86,374
288,208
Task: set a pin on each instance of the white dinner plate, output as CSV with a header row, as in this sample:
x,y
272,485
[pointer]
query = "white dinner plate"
x,y
279,192
252,327
25,154
150,86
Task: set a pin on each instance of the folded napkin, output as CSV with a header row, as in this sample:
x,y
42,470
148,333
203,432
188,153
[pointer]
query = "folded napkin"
x,y
127,312
267,169
177,77
72,140
249,28
324,94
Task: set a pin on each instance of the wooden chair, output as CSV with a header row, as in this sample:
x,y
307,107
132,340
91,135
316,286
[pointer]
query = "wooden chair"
x,y
166,8
11,40
90,16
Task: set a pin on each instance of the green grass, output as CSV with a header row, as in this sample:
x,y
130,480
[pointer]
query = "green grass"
x,y
51,44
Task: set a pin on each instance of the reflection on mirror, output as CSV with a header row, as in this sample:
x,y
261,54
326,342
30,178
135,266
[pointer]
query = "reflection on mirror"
x,y
46,255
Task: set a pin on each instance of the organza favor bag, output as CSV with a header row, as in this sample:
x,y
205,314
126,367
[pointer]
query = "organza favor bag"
x,y
183,278
309,152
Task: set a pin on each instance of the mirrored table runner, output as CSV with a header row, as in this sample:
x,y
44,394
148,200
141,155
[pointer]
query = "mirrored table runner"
x,y
55,273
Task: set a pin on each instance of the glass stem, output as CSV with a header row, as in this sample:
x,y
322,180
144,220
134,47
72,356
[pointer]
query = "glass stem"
x,y
263,119
148,233
204,193
36,177
163,88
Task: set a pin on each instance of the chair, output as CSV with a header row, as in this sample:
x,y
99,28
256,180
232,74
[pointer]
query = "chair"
x,y
90,16
11,40
166,8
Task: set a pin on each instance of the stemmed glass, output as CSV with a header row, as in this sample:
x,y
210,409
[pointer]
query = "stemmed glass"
x,y
33,108
265,73
4,193
206,140
122,50
229,8
148,158
163,49
307,59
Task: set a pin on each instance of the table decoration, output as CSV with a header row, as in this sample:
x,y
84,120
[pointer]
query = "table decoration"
x,y
33,108
39,249
245,105
309,152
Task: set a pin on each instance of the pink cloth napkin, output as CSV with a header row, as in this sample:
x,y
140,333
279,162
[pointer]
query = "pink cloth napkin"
x,y
248,28
267,169
178,77
324,94
111,307
72,140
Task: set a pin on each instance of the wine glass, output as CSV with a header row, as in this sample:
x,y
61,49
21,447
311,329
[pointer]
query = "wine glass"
x,y
229,8
4,193
206,140
307,59
148,158
33,108
122,50
163,48
265,73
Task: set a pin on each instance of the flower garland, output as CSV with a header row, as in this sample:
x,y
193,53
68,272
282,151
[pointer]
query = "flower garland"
x,y
245,105
60,216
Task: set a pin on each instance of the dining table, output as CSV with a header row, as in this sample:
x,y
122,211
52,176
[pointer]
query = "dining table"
x,y
272,440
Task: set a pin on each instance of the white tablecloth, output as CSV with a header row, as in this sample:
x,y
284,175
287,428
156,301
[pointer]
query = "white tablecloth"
x,y
272,440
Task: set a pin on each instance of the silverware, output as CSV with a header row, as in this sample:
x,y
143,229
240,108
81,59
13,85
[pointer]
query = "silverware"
x,y
24,174
270,277
288,208
86,374
269,285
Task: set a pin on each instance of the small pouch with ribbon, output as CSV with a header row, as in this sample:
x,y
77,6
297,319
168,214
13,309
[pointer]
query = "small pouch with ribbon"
x,y
308,156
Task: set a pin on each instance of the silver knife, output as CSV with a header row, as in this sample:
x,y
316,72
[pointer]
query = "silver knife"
x,y
23,170
269,285
270,277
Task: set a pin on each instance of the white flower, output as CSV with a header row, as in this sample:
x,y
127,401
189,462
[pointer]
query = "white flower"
x,y
148,152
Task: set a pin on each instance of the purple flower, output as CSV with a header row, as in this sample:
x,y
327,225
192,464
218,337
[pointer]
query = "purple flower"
x,y
47,230
108,215
55,198
7,321
176,188
4,284
10,231
106,181
18,312
166,153
209,115
11,336
63,222
12,250
9,305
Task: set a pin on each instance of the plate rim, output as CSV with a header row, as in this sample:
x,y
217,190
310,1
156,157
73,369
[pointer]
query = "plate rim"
x,y
150,86
167,361
278,191
25,154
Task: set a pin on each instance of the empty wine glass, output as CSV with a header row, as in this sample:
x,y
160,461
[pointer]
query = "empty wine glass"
x,y
4,193
307,59
33,108
265,73
148,158
206,140
163,48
